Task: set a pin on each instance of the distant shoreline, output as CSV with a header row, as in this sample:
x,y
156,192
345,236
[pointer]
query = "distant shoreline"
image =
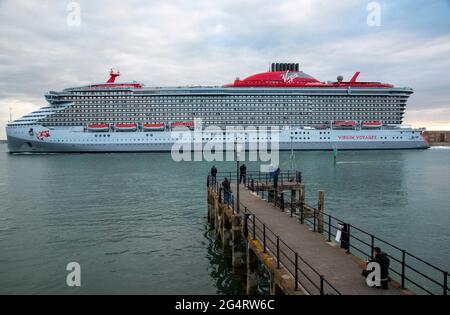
x,y
440,144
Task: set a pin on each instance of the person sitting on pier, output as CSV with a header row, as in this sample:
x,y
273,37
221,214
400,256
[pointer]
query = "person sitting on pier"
x,y
383,261
243,172
214,173
226,190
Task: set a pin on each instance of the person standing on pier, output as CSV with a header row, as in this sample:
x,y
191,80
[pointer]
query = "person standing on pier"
x,y
275,177
214,173
226,190
243,172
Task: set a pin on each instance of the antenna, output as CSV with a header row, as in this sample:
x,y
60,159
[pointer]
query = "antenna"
x,y
10,114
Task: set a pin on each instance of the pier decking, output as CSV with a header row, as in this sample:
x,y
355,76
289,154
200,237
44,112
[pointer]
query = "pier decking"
x,y
343,271
294,241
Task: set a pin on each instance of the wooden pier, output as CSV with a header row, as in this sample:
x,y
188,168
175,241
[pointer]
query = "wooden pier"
x,y
292,241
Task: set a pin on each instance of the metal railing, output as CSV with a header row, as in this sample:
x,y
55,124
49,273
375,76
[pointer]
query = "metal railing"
x,y
264,178
312,281
297,266
225,196
409,269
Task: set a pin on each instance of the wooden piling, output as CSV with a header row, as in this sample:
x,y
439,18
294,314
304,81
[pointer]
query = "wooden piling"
x,y
293,201
237,247
302,202
320,210
252,271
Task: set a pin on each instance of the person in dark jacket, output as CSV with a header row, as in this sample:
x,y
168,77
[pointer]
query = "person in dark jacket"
x,y
275,177
226,190
383,260
243,173
214,172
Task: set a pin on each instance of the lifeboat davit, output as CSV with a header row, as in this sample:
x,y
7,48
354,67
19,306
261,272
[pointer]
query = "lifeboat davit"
x,y
154,127
372,124
126,127
98,127
188,124
345,124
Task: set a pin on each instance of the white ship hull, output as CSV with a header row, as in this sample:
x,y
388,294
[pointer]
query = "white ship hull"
x,y
75,139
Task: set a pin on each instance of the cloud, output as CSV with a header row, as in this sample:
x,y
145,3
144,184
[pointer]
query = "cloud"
x,y
204,42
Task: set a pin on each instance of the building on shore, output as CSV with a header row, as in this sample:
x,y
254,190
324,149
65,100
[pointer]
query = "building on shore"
x,y
438,137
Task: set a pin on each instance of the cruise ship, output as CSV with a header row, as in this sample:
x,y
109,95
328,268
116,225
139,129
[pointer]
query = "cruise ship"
x,y
305,114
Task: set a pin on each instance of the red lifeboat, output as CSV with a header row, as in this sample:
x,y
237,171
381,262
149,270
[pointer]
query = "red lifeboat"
x,y
98,127
125,126
188,124
154,127
372,124
345,124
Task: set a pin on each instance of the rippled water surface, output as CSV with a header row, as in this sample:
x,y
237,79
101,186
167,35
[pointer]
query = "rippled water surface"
x,y
136,222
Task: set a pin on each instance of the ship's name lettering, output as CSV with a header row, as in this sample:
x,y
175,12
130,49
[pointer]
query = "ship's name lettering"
x,y
357,137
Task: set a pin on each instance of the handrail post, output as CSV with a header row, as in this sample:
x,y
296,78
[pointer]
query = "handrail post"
x,y
246,224
348,239
445,282
372,245
296,271
278,252
264,236
293,197
329,229
302,203
315,218
302,216
403,268
254,227
321,285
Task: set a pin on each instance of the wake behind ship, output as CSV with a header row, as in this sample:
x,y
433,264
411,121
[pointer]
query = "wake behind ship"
x,y
310,115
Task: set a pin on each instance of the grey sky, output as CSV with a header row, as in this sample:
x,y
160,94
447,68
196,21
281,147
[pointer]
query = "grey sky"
x,y
213,42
